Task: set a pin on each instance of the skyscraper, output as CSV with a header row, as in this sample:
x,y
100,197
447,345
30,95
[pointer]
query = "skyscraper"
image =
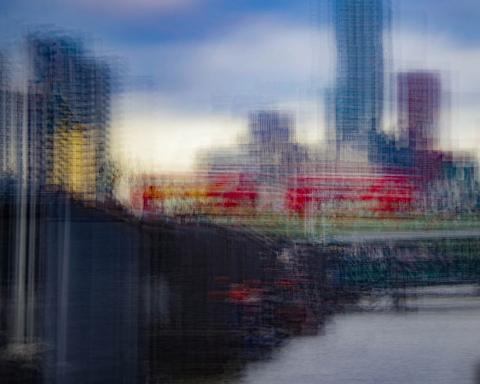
x,y
270,128
11,123
69,106
359,91
272,142
419,97
5,118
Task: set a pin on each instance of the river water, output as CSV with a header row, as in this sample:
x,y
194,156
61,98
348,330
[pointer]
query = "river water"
x,y
433,338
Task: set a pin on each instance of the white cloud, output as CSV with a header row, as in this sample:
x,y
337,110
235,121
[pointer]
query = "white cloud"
x,y
151,138
261,60
205,90
265,63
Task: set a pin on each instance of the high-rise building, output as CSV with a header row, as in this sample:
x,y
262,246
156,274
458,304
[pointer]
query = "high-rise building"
x,y
5,117
419,97
272,143
359,91
11,123
270,128
69,102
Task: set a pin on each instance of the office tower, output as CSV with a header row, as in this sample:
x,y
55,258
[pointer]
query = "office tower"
x,y
272,143
69,106
419,97
359,92
11,123
270,128
5,126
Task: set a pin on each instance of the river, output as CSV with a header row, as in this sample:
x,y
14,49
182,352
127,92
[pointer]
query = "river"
x,y
434,338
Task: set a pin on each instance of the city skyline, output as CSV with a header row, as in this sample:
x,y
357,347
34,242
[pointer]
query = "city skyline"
x,y
189,90
239,191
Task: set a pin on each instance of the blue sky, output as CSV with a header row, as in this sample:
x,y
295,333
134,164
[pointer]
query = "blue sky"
x,y
147,21
193,68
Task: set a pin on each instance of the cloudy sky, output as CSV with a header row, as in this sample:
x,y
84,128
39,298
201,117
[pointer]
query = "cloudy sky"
x,y
192,69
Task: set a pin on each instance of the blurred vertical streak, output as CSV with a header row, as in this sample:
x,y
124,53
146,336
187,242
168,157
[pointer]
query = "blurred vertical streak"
x,y
19,269
25,266
63,283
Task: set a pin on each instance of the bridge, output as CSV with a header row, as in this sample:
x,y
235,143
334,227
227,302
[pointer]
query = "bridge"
x,y
402,236
437,257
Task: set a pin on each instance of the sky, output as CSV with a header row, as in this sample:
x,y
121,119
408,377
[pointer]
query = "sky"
x,y
192,69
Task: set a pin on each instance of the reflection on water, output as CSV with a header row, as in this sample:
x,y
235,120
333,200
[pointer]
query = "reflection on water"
x,y
389,346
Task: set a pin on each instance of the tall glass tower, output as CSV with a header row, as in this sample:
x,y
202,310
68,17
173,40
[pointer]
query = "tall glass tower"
x,y
359,92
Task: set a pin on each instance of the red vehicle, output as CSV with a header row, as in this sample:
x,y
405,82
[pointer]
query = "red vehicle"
x,y
375,193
